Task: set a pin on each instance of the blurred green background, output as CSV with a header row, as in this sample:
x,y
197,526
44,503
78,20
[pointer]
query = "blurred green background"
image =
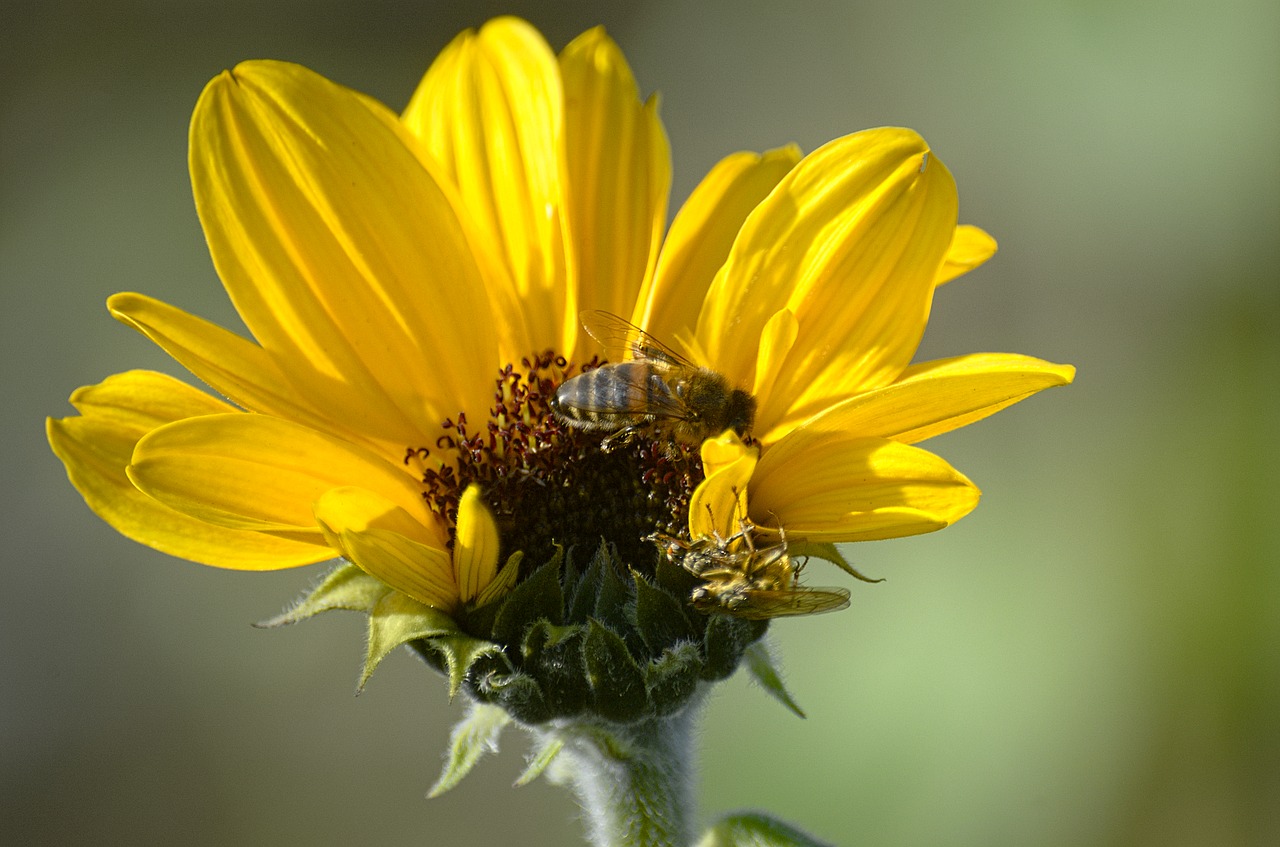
x,y
1091,658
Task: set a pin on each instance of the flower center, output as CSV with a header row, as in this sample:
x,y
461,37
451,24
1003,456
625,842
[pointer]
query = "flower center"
x,y
549,485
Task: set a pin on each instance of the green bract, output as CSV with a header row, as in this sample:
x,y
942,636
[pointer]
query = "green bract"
x,y
582,635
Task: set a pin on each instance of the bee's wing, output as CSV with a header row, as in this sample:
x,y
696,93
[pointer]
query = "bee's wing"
x,y
625,390
624,340
761,604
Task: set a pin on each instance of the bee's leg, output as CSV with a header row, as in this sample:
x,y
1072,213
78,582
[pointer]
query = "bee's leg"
x,y
745,526
618,439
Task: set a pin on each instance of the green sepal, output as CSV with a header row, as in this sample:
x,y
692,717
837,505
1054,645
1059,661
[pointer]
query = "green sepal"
x,y
397,619
518,693
753,829
672,677
540,761
760,666
537,598
460,652
586,586
674,579
828,552
481,618
553,655
472,737
659,617
346,587
616,680
725,640
614,595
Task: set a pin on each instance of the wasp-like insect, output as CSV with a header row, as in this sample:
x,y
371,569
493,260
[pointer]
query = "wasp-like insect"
x,y
652,388
740,579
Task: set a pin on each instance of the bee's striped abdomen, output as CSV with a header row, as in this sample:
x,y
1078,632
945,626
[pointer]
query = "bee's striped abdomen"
x,y
610,396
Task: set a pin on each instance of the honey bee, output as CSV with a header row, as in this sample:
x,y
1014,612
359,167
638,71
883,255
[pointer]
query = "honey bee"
x,y
652,388
746,581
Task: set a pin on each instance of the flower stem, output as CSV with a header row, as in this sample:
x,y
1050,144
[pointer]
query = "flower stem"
x,y
634,781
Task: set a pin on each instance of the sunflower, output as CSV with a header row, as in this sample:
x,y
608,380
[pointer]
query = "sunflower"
x,y
412,284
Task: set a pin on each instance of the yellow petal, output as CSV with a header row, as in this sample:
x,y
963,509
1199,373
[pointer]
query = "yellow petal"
x,y
359,509
701,235
342,254
387,542
411,568
490,112
255,472
140,401
969,248
97,446
942,395
776,341
475,552
619,175
834,486
231,365
849,241
503,582
719,502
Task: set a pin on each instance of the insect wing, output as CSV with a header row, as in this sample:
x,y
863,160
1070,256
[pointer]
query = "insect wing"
x,y
761,604
623,340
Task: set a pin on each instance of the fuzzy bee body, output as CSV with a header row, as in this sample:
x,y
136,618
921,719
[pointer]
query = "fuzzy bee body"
x,y
653,389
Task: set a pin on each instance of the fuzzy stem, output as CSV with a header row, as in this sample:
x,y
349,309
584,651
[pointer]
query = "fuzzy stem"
x,y
633,781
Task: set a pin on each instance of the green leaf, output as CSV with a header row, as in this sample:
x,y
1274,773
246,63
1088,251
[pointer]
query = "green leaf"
x,y
675,579
760,666
518,693
537,598
660,617
460,652
828,552
540,760
473,736
673,677
397,619
753,829
725,640
345,587
586,588
615,591
545,635
553,655
616,680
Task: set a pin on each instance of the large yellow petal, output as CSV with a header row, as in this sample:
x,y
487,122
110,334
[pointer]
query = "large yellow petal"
x,y
261,473
233,366
938,396
490,112
701,235
387,542
969,248
835,486
850,242
97,446
619,175
342,254
776,340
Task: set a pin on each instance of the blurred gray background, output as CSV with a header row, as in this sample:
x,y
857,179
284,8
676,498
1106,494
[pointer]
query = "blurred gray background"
x,y
1091,658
